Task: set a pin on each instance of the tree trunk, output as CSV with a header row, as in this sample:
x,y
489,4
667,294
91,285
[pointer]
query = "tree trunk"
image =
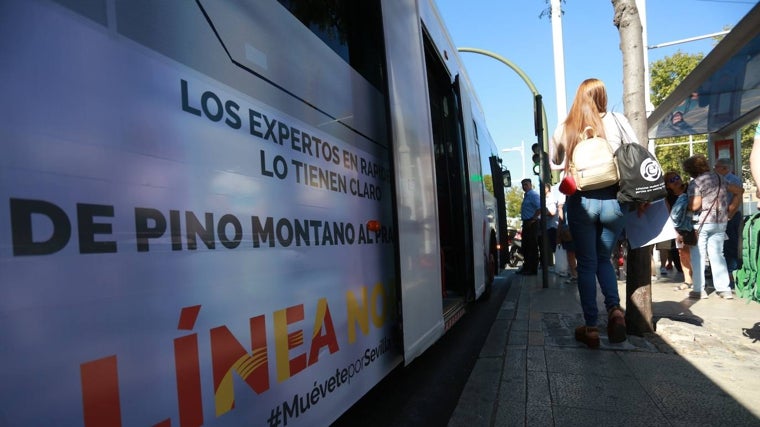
x,y
628,22
638,283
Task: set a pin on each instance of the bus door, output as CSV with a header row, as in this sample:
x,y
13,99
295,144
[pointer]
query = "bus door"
x,y
499,185
454,211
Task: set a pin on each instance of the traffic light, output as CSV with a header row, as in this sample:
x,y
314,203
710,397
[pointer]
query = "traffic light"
x,y
536,159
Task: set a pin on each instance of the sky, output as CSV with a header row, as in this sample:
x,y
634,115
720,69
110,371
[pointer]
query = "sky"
x,y
513,29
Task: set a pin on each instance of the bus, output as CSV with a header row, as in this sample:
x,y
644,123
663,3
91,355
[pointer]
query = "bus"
x,y
239,212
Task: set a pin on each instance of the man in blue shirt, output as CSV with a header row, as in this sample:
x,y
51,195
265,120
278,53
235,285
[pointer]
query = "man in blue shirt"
x,y
529,213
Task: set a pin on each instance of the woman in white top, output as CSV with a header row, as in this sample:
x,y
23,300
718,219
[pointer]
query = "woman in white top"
x,y
594,216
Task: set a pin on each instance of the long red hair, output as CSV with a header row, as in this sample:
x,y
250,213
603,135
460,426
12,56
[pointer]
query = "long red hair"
x,y
588,106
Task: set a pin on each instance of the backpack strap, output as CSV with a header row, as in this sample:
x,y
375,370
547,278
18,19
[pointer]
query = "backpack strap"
x,y
624,137
584,134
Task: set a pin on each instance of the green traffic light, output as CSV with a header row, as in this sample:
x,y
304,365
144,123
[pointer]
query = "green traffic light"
x,y
536,158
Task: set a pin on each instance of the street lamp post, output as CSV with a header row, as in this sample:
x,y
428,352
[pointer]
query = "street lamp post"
x,y
521,149
524,77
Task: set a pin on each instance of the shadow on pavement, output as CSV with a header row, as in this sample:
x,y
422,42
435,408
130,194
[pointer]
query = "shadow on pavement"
x,y
674,311
697,369
752,333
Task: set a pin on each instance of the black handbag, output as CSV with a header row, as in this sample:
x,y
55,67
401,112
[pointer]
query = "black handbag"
x,y
690,237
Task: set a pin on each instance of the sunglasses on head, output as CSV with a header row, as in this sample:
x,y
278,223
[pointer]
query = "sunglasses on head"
x,y
674,178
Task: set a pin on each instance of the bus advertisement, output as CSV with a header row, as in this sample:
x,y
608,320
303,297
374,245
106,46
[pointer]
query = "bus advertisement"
x,y
231,213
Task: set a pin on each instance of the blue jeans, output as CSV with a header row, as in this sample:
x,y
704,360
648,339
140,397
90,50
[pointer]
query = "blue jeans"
x,y
595,220
710,244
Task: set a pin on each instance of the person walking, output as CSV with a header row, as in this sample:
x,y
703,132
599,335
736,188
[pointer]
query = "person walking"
x,y
565,238
594,216
725,168
663,248
708,197
530,212
552,222
676,187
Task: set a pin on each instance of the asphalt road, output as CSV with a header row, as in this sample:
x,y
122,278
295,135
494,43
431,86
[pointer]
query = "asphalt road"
x,y
426,392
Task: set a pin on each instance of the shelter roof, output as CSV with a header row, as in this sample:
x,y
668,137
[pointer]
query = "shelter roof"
x,y
722,94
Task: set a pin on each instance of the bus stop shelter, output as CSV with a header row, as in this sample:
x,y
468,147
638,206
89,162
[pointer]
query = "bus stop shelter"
x,y
720,96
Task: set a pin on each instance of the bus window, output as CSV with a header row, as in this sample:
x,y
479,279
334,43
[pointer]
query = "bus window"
x,y
351,28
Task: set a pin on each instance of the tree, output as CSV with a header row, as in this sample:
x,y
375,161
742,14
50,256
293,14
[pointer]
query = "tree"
x,y
638,285
488,183
665,76
667,73
514,197
628,22
748,138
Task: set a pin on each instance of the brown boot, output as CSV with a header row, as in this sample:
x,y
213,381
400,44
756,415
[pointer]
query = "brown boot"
x,y
588,335
616,325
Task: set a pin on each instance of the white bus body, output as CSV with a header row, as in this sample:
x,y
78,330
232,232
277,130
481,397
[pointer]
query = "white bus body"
x,y
233,212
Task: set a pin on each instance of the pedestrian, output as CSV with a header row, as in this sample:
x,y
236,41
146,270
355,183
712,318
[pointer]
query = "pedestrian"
x,y
551,222
594,216
664,251
708,198
565,238
676,187
530,212
724,167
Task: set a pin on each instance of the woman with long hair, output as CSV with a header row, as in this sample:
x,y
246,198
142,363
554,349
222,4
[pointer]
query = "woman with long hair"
x,y
594,216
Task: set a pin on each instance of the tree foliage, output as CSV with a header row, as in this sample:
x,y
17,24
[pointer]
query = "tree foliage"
x,y
748,138
667,73
488,182
664,76
514,197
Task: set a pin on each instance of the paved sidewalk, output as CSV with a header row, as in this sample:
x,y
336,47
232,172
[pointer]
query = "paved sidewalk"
x,y
701,367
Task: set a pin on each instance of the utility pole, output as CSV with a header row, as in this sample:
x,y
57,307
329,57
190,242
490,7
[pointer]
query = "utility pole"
x,y
521,149
559,60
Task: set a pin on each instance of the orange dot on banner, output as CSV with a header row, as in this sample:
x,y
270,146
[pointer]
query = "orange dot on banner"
x,y
373,225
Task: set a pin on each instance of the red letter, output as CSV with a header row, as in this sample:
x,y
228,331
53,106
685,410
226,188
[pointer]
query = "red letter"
x,y
227,355
187,369
100,392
